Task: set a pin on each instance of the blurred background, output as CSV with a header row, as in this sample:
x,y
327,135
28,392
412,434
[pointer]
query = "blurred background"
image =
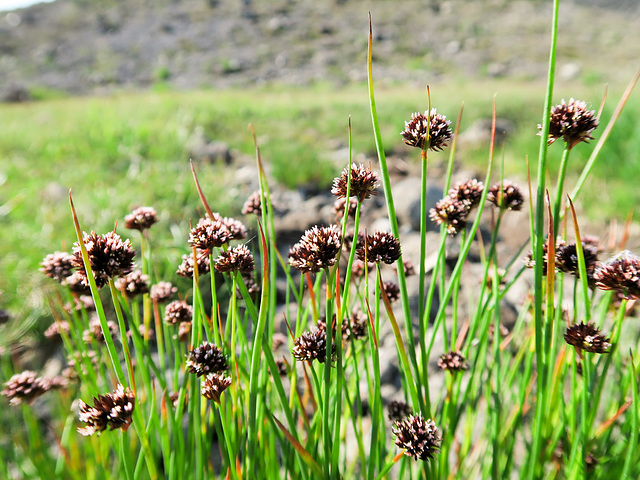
x,y
112,98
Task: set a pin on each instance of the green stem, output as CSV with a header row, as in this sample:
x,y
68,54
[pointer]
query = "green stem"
x,y
538,236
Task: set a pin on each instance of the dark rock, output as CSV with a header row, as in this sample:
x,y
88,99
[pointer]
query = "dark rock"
x,y
15,94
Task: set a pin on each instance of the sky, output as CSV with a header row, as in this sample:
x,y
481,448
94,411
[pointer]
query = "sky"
x,y
13,4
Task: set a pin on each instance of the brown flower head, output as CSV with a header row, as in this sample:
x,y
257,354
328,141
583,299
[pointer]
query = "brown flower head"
x,y
25,387
530,262
94,332
253,205
392,290
408,267
430,131
398,410
355,326
213,386
506,196
113,410
279,340
237,230
205,359
567,259
109,256
363,183
340,204
469,192
358,270
80,362
55,329
283,366
419,437
133,284
452,362
235,259
250,282
80,303
622,274
311,346
452,213
178,311
141,219
380,247
572,122
58,266
209,233
587,337
162,292
316,250
77,283
184,331
185,269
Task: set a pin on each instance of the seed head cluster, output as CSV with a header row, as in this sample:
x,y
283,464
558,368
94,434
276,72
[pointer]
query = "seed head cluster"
x,y
133,284
380,247
622,274
363,182
454,209
209,233
253,205
177,312
398,410
427,131
113,410
587,337
186,268
162,292
452,362
506,196
571,122
311,345
25,387
235,259
316,250
567,259
213,386
109,256
419,438
141,219
205,359
58,266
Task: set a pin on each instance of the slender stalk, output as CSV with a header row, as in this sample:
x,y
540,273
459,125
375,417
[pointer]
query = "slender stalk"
x,y
538,242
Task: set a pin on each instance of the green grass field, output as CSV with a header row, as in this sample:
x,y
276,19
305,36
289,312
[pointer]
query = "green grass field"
x,y
126,150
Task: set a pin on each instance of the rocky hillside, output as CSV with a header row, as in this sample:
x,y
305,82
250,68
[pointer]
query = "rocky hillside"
x,y
85,46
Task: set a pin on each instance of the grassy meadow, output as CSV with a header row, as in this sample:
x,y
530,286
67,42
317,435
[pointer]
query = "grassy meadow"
x,y
130,149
